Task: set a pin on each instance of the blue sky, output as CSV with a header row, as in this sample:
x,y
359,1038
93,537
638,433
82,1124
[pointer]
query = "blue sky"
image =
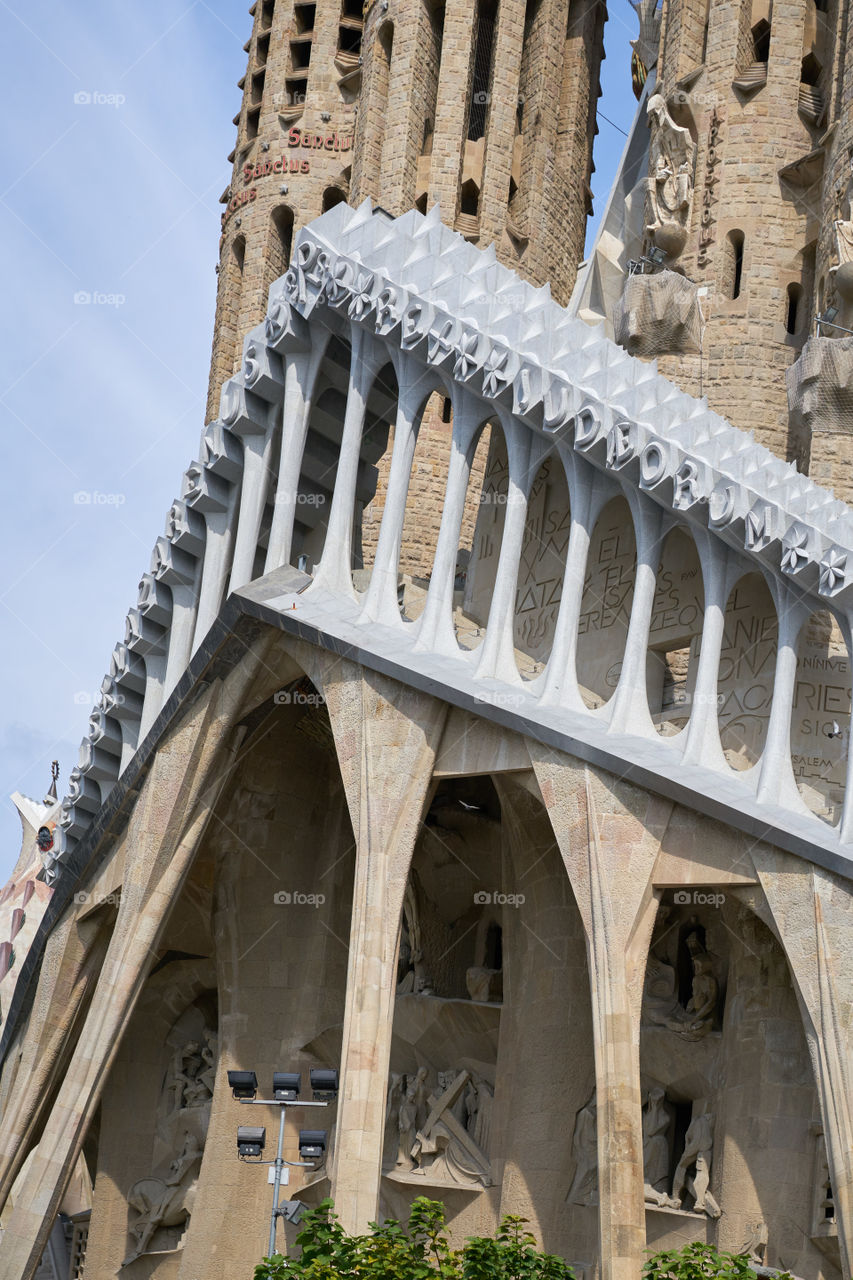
x,y
117,127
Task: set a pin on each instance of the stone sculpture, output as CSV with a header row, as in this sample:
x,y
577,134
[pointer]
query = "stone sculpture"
x,y
669,187
411,976
193,1072
657,1122
697,1019
698,1148
411,1114
842,272
164,1202
447,1151
584,1188
484,985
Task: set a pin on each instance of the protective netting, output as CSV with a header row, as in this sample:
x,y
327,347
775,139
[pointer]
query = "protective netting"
x,y
658,315
820,387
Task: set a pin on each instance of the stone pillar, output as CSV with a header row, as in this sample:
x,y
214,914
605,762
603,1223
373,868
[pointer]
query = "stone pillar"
x,y
184,782
609,834
813,913
451,113
386,738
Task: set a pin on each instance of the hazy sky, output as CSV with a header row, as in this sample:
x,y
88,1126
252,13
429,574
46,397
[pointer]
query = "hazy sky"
x,y
117,127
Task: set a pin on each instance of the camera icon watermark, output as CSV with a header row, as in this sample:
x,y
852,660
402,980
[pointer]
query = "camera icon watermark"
x,y
98,298
97,98
298,698
698,898
285,898
494,898
83,899
94,498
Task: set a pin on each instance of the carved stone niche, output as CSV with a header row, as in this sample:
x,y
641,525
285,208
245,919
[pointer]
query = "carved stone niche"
x,y
160,1205
658,315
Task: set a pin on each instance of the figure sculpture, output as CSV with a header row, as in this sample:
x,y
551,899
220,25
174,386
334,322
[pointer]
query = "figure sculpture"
x,y
584,1188
657,1122
669,188
164,1202
698,1148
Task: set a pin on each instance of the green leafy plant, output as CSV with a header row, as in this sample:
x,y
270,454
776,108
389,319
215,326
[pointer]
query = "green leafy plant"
x,y
697,1262
419,1252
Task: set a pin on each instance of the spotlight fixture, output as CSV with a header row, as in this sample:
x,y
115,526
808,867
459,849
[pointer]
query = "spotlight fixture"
x,y
324,1083
312,1144
286,1085
657,255
243,1084
292,1210
251,1139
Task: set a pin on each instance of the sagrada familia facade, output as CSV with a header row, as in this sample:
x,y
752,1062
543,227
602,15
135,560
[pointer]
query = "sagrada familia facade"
x,y
480,728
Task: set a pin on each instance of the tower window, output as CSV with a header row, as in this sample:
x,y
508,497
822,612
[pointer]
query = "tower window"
x,y
469,203
734,265
761,41
482,78
331,197
267,10
304,16
792,321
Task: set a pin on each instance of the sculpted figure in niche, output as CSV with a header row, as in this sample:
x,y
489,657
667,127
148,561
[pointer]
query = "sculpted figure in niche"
x,y
411,1116
697,1019
657,1122
584,1188
698,1148
411,976
164,1202
669,188
194,1072
843,272
446,1149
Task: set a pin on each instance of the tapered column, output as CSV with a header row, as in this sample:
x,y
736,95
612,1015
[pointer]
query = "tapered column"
x,y
386,737
609,835
334,571
497,655
776,781
813,913
435,630
300,378
630,710
703,744
167,822
588,493
380,603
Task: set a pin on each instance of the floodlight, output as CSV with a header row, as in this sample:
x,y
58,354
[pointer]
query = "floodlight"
x,y
658,255
251,1139
292,1210
312,1144
286,1085
243,1084
324,1083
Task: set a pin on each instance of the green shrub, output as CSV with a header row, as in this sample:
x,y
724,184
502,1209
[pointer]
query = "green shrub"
x,y
419,1252
697,1262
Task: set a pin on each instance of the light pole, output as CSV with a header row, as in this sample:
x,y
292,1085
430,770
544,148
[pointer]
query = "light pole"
x,y
251,1139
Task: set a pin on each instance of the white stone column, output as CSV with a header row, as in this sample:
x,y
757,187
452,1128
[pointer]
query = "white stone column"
x,y
496,659
380,601
300,380
629,712
589,492
776,782
702,744
435,627
334,572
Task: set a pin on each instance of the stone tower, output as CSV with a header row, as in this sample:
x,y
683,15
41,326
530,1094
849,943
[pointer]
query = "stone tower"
x,y
292,158
744,113
486,109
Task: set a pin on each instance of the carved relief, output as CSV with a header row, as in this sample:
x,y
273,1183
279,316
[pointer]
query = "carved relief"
x,y
669,187
584,1188
160,1205
443,1131
693,1172
657,1138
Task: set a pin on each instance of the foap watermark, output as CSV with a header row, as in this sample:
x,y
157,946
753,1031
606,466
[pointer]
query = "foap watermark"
x,y
501,699
296,898
698,898
98,298
82,698
94,498
98,98
84,899
494,898
298,698
301,499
